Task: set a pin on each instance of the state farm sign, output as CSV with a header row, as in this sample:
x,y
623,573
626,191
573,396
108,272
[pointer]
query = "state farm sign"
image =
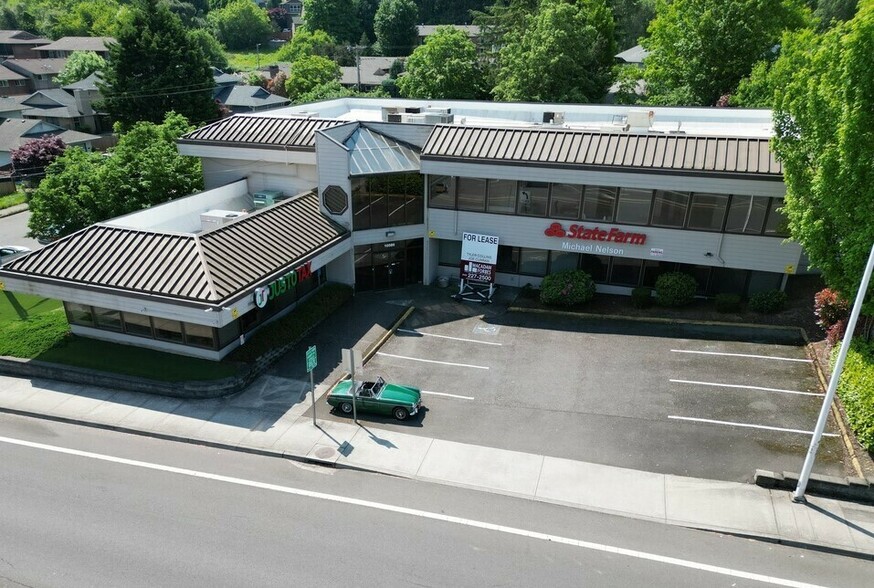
x,y
581,232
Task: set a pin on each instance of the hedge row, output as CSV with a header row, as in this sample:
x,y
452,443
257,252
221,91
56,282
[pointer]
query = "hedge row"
x,y
292,326
856,389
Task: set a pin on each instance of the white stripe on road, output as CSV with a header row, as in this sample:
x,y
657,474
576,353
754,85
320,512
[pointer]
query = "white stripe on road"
x,y
747,426
445,394
742,355
642,555
479,367
447,337
748,387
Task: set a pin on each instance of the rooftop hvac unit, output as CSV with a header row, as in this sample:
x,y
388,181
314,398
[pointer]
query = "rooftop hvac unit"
x,y
435,118
640,119
556,118
213,219
266,198
394,117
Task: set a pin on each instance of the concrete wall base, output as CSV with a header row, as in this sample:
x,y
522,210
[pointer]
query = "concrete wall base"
x,y
855,489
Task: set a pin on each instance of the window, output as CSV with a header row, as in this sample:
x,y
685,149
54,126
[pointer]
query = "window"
x,y
137,324
79,314
387,200
471,194
653,269
746,214
728,281
598,203
534,198
566,201
669,208
595,265
533,261
634,206
625,271
777,223
562,260
229,333
360,205
707,211
508,259
449,253
502,196
107,318
199,335
4,83
440,192
168,330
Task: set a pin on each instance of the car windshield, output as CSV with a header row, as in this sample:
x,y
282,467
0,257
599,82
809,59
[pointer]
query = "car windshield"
x,y
377,386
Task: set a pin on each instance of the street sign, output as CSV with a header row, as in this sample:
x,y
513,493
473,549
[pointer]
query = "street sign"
x,y
312,359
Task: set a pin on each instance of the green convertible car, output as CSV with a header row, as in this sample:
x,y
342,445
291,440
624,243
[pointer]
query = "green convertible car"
x,y
377,397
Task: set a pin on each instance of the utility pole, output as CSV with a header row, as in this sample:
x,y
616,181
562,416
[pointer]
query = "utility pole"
x,y
258,56
357,49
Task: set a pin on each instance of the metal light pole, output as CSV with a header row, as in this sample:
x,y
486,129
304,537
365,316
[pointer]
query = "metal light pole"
x,y
258,56
798,496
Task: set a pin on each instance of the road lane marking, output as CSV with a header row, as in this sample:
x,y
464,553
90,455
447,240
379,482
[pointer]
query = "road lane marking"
x,y
445,394
748,387
479,367
589,545
747,425
741,355
447,337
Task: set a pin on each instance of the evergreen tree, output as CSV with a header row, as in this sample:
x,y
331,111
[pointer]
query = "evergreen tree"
x,y
154,67
395,27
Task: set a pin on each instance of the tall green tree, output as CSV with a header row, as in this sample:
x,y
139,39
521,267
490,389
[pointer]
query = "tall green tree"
x,y
825,139
240,25
366,12
304,43
309,72
700,49
154,67
212,49
395,27
496,22
97,18
445,66
564,53
338,18
145,168
80,65
835,10
632,17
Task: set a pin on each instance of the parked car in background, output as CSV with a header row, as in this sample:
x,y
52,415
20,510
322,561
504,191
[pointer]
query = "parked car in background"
x,y
9,252
377,397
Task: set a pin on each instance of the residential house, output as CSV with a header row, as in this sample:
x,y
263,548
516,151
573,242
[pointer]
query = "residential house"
x,y
632,56
12,83
373,70
68,110
65,46
20,44
11,107
16,132
423,31
239,99
39,74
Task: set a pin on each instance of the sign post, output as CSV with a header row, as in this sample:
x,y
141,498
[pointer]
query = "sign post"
x,y
312,362
354,359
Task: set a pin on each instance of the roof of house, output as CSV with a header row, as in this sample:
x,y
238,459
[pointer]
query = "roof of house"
x,y
265,131
52,102
649,152
15,132
254,97
11,103
373,71
34,67
206,268
635,54
469,30
8,37
9,75
89,83
96,44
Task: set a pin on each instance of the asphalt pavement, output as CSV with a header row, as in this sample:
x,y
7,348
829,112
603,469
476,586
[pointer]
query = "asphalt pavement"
x,y
271,418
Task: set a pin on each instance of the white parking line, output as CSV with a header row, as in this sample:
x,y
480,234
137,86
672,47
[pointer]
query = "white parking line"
x,y
447,337
445,394
747,426
742,355
748,387
479,367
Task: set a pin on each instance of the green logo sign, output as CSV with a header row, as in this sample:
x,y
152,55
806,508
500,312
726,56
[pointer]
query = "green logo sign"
x,y
312,359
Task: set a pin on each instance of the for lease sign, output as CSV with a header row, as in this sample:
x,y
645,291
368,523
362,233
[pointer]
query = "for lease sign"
x,y
479,248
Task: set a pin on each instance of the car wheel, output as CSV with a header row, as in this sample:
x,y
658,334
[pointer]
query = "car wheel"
x,y
346,407
400,413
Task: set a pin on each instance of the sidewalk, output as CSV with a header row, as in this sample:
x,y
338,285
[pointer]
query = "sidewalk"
x,y
270,418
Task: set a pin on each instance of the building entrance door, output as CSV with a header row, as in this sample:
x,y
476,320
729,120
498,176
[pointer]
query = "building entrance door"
x,y
383,266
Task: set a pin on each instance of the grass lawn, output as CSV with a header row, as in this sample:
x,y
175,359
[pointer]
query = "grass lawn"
x,y
249,60
12,199
33,327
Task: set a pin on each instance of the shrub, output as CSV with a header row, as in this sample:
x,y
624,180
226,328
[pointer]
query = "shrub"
x,y
835,333
830,308
641,297
727,303
856,390
567,288
675,289
769,301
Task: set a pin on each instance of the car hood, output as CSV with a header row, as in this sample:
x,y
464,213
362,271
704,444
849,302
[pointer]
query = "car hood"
x,y
398,393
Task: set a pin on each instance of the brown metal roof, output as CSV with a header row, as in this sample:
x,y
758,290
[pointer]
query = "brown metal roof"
x,y
267,131
206,268
688,154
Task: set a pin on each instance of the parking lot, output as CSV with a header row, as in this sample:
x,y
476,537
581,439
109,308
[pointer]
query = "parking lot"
x,y
663,398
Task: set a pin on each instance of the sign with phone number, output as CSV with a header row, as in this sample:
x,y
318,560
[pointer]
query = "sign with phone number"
x,y
480,272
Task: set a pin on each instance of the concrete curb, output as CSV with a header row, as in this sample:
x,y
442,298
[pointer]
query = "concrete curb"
x,y
9,211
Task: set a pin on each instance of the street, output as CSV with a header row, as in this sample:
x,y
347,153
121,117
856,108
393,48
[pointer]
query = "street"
x,y
87,507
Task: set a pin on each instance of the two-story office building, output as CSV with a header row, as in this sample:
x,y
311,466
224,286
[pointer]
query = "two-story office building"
x,y
382,191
